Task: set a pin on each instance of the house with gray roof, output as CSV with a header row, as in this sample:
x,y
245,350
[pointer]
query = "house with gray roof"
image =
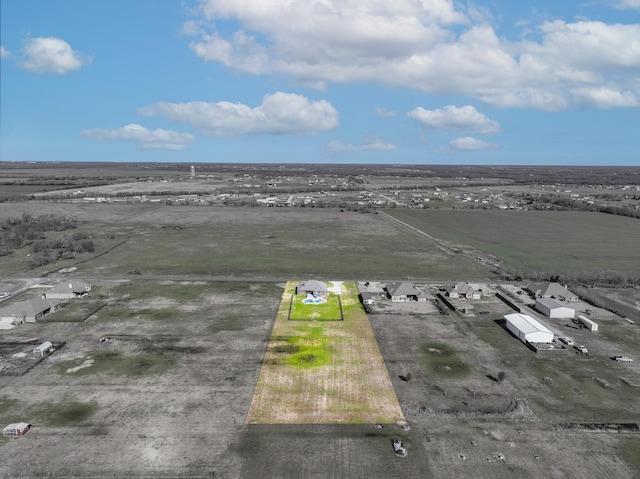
x,y
68,290
404,291
552,290
463,290
313,287
30,310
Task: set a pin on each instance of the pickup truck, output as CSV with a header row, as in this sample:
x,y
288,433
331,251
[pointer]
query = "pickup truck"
x,y
581,349
567,341
623,359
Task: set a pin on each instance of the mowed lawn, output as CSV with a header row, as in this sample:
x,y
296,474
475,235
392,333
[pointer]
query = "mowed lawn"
x,y
551,242
328,372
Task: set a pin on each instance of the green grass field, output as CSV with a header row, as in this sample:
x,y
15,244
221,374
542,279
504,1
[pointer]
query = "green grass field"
x,y
322,245
329,311
551,242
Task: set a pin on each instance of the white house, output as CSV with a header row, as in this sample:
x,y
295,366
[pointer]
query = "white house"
x,y
553,308
527,329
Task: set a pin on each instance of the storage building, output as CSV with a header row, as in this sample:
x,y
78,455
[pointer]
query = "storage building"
x,y
528,329
553,308
16,429
43,349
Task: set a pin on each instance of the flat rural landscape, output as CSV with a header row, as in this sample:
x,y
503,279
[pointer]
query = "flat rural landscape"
x,y
318,321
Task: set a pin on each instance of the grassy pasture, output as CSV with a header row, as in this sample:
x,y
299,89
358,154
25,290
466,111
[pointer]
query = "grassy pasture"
x,y
331,373
442,360
244,242
537,241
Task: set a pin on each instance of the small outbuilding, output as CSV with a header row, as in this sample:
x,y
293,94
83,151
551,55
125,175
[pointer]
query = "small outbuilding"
x,y
16,429
553,308
43,349
527,329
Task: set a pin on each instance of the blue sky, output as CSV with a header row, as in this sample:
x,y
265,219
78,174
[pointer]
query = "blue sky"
x,y
321,81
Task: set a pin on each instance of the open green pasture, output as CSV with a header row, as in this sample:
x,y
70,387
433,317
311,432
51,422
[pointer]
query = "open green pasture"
x,y
329,311
550,242
287,244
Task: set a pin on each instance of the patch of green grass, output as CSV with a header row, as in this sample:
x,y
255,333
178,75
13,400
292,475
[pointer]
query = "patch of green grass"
x,y
114,362
441,359
307,350
629,452
63,413
329,311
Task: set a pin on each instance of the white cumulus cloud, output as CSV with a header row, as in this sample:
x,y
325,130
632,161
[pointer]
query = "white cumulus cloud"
x,y
279,113
4,53
465,118
144,139
468,143
384,113
371,144
51,55
429,45
625,4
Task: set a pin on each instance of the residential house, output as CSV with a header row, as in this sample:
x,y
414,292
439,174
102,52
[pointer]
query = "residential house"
x,y
313,287
464,291
403,291
72,289
29,310
552,290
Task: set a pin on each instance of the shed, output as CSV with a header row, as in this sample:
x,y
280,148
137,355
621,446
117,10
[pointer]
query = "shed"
x,y
43,349
554,309
527,329
588,323
16,429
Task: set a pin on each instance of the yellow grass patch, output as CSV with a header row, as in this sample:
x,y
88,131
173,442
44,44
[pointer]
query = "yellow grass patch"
x,y
348,384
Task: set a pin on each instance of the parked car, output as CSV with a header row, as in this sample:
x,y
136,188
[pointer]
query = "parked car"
x,y
567,341
581,349
4,295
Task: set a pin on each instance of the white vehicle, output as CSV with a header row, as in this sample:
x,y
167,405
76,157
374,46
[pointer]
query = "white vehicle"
x,y
567,341
623,359
4,295
581,349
